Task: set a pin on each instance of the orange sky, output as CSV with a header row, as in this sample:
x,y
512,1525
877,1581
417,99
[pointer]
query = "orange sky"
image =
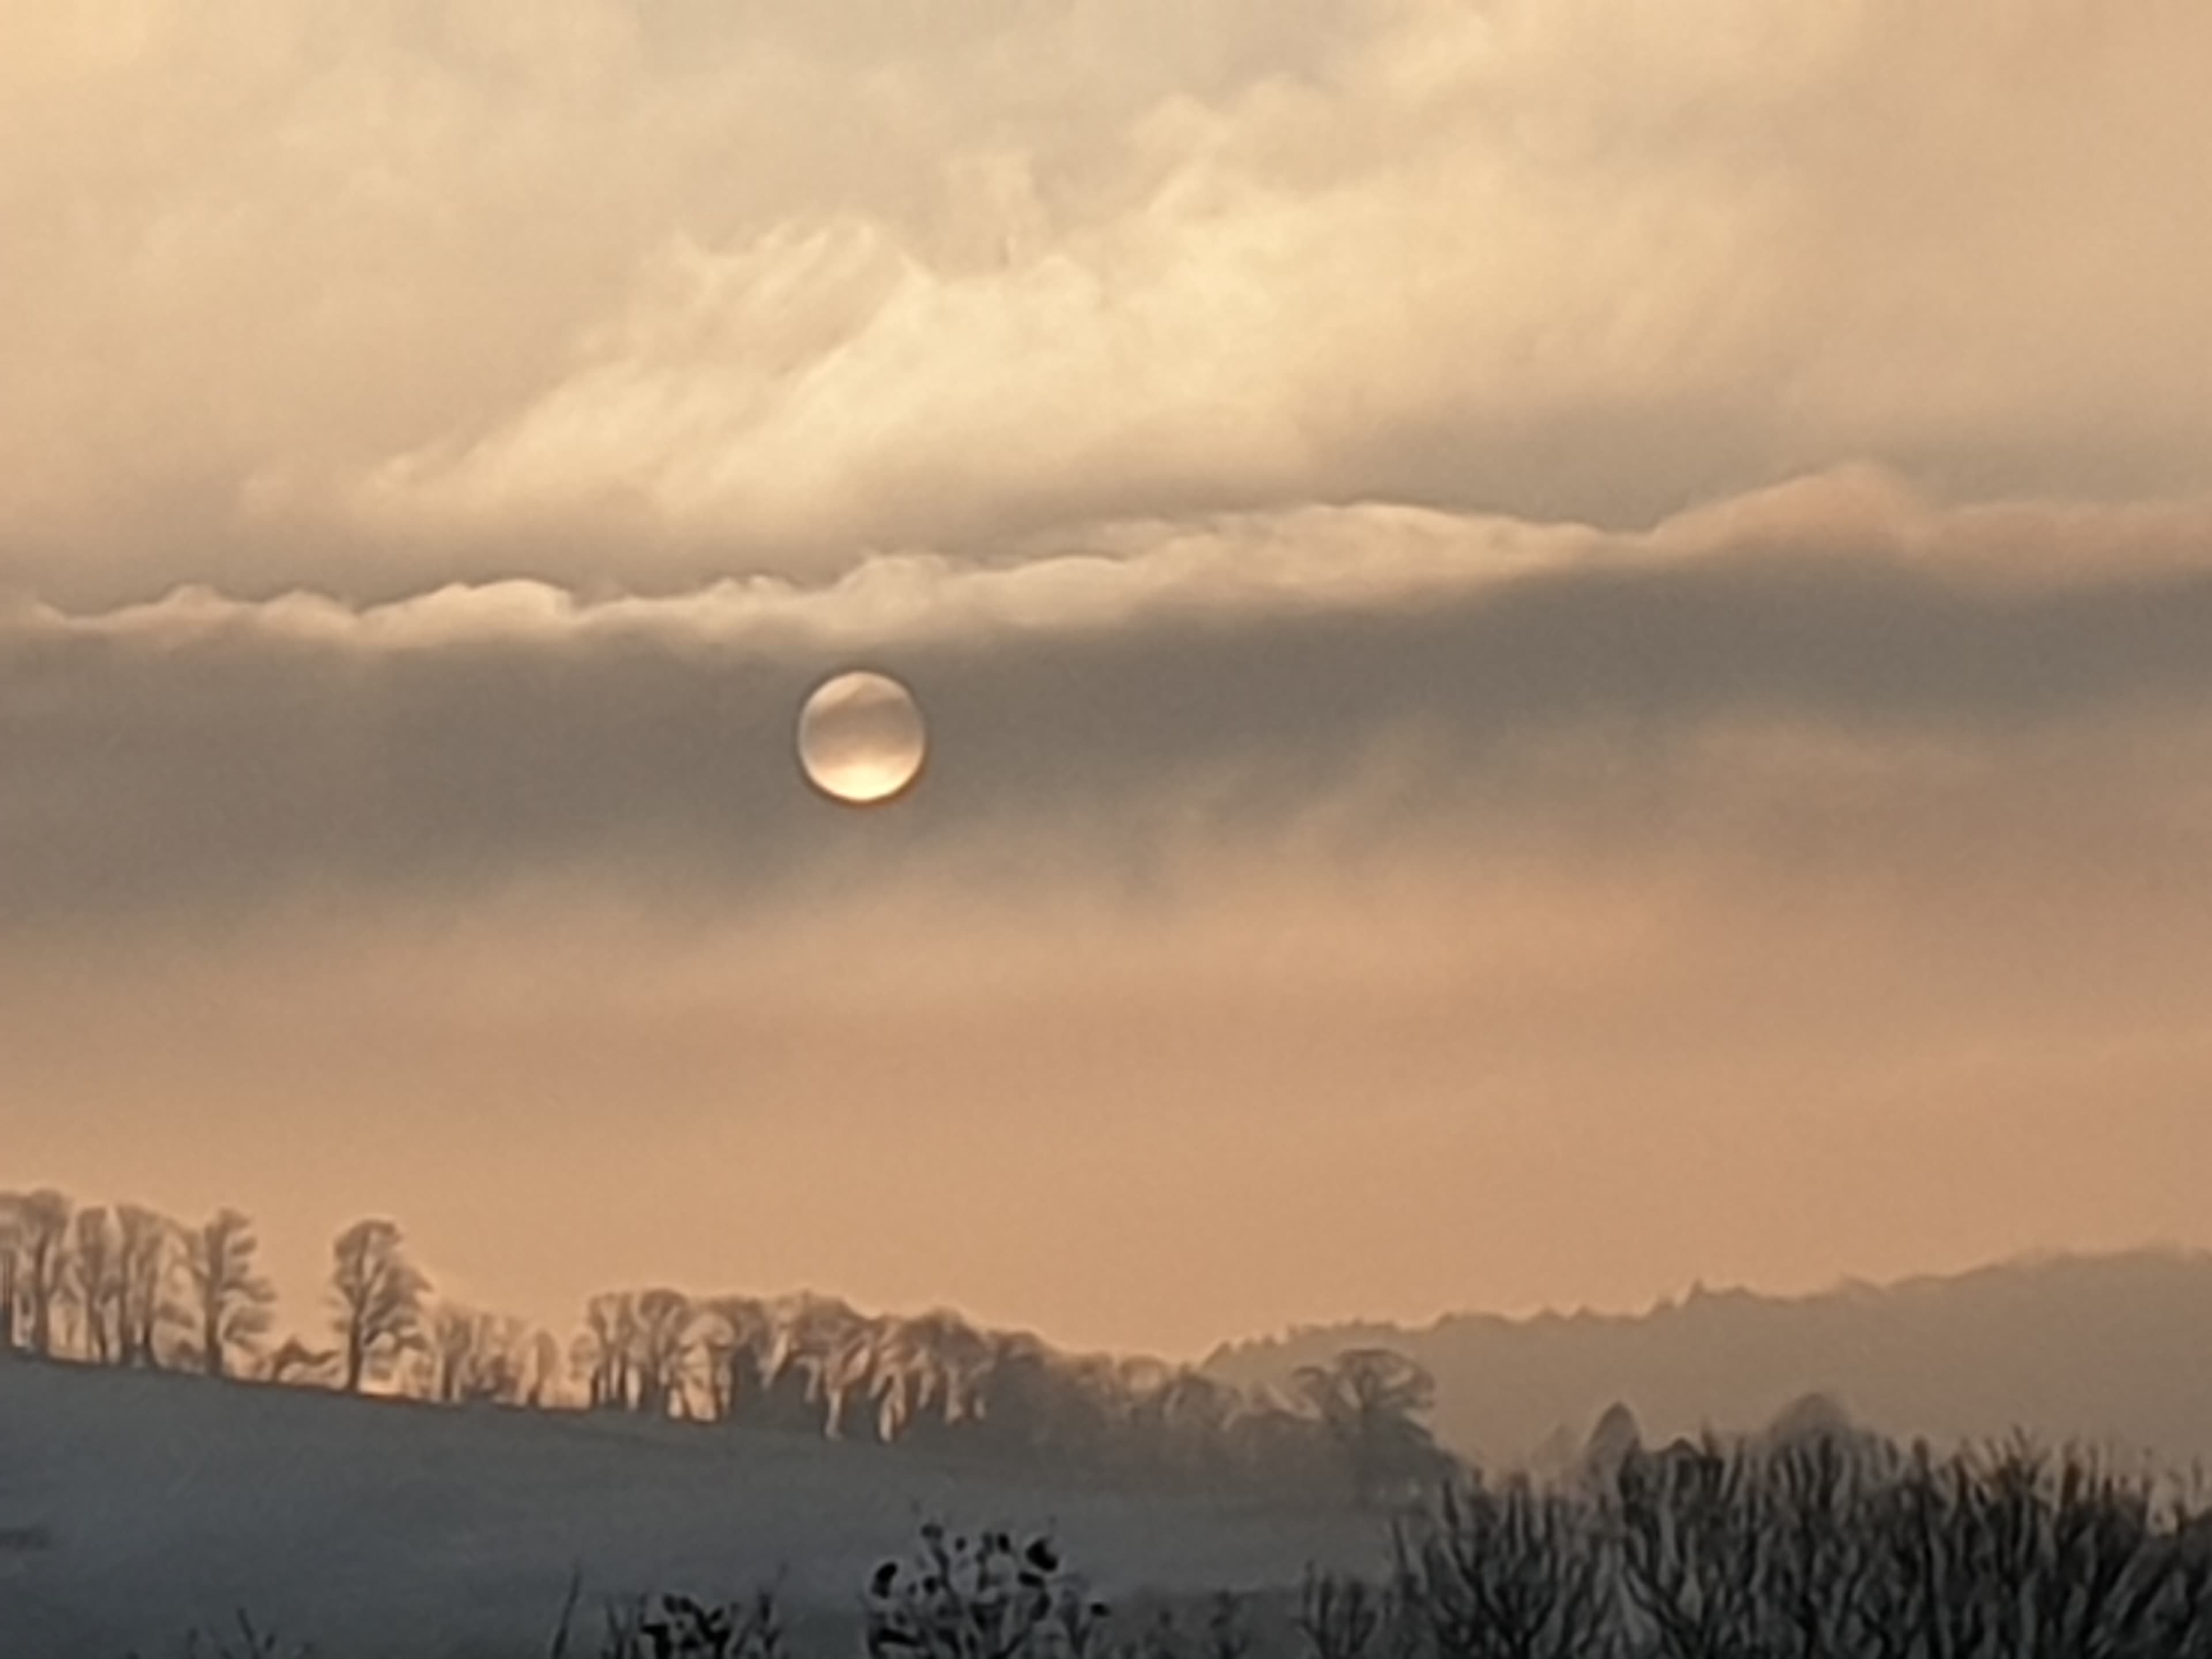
x,y
1563,654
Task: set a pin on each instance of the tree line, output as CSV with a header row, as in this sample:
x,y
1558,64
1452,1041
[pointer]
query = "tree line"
x,y
130,1286
1823,1543
127,1286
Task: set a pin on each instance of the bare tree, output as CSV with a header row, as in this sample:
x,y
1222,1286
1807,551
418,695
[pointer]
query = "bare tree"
x,y
11,1268
1509,1572
1370,1401
1693,1538
735,1334
662,1348
816,1354
97,1273
1017,1394
453,1336
147,1262
541,1377
1813,1493
1343,1617
897,1377
232,1300
947,1357
378,1296
1200,1411
43,1265
476,1356
604,1351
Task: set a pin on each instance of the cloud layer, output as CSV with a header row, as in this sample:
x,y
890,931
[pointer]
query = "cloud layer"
x,y
611,294
1568,646
1222,686
1455,881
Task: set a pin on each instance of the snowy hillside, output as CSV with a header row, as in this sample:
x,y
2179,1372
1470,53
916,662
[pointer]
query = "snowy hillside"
x,y
133,1507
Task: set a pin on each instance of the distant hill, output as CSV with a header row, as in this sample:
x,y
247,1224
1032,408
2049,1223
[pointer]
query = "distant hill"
x,y
2113,1350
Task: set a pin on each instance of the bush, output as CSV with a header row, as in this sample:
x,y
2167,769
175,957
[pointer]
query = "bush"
x,y
1825,1546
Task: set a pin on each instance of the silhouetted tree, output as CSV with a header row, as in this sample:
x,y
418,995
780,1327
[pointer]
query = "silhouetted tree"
x,y
541,1375
660,1338
1343,1617
1812,1494
1370,1401
1284,1451
2010,1553
42,1254
97,1277
814,1364
1193,1412
378,1294
232,1301
1016,1393
932,1369
481,1357
1506,1573
604,1351
818,1355
147,1261
734,1336
11,1266
454,1333
1693,1535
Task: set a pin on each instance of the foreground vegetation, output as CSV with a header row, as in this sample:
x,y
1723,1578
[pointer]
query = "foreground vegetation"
x,y
1823,1544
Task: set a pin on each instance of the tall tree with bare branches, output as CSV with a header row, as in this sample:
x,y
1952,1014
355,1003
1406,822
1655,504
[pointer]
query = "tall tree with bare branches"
x,y
663,1337
605,1350
477,1356
147,1258
231,1299
11,1265
97,1273
377,1293
42,1223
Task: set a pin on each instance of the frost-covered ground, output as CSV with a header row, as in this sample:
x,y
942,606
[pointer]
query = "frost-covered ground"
x,y
378,1528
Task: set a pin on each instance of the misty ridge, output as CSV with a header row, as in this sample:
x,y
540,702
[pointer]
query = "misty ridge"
x,y
1290,1496
2106,1351
129,1288
2111,1350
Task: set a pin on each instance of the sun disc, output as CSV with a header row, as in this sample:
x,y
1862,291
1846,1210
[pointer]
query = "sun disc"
x,y
861,740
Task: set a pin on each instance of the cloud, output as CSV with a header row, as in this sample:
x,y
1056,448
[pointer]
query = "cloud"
x,y
616,295
1212,689
1529,609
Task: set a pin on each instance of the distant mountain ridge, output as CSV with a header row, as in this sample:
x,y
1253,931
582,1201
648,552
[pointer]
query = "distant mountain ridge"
x,y
2112,1350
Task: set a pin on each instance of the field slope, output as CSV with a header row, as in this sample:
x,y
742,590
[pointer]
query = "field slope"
x,y
133,1507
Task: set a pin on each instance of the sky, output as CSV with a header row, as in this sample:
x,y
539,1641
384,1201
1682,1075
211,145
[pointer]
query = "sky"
x,y
1567,647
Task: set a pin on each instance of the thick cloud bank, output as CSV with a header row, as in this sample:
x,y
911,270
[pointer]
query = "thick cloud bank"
x,y
1216,688
607,292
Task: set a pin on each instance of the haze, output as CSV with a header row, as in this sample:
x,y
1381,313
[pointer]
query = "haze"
x,y
1567,647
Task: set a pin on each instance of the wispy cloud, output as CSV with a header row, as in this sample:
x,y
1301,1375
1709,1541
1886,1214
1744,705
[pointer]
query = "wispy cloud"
x,y
644,295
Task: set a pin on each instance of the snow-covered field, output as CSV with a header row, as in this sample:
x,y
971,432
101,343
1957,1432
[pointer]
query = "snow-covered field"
x,y
134,1507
